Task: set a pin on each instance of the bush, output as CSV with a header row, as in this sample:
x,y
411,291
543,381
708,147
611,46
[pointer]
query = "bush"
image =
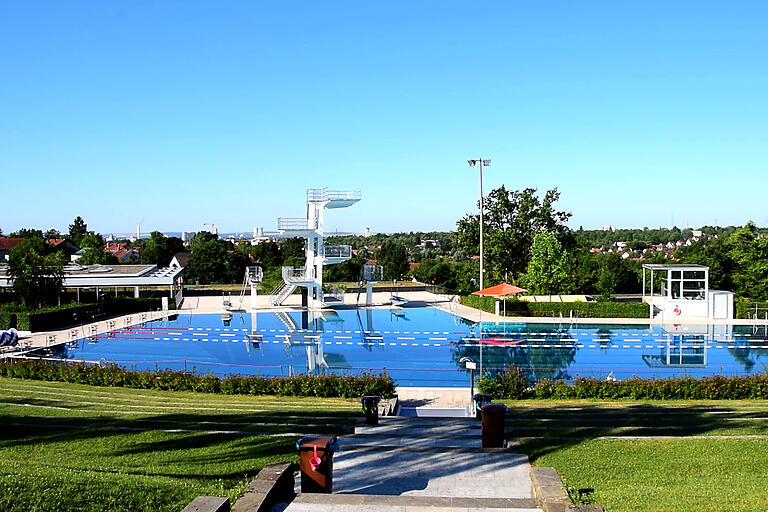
x,y
326,386
509,385
546,309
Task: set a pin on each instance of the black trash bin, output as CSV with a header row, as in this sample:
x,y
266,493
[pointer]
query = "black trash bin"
x,y
316,463
371,409
480,400
493,425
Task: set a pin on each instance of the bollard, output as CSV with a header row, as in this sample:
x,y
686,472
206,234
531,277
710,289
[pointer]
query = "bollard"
x,y
371,409
493,425
480,400
316,463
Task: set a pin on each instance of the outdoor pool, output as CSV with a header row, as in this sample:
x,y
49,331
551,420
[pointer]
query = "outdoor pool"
x,y
422,346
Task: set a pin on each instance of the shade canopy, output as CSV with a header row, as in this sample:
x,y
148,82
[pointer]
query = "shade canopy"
x,y
500,290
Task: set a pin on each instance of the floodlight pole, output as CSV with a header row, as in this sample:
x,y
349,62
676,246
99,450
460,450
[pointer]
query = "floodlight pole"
x,y
472,163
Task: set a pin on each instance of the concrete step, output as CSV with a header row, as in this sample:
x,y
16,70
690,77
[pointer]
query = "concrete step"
x,y
394,442
445,472
376,503
406,430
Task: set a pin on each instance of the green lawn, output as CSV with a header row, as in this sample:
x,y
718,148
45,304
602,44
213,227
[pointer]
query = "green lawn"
x,y
72,447
652,456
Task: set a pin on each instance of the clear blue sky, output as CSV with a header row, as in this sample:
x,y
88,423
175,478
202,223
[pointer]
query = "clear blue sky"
x,y
172,114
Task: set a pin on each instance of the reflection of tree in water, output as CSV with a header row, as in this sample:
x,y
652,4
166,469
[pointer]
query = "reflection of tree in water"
x,y
539,362
603,336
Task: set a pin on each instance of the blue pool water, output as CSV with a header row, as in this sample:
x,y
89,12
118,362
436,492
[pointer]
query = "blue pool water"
x,y
423,346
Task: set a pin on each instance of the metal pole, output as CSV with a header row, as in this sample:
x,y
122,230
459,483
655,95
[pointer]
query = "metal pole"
x,y
481,224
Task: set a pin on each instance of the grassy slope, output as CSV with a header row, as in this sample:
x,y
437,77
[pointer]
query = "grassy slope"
x,y
72,447
688,470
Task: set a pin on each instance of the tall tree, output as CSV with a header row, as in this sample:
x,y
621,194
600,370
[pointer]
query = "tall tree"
x,y
548,270
394,258
512,220
77,230
159,249
37,273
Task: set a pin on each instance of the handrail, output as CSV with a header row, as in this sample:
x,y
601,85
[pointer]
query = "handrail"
x,y
324,194
287,223
337,251
291,274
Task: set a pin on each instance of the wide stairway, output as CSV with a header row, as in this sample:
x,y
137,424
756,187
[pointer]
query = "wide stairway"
x,y
423,464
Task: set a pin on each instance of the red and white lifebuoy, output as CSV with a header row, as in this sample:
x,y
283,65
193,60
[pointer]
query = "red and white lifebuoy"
x,y
677,310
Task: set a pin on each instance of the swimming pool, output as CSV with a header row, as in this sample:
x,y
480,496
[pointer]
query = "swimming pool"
x,y
422,346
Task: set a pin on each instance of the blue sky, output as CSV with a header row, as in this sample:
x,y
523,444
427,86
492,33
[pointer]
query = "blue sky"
x,y
172,114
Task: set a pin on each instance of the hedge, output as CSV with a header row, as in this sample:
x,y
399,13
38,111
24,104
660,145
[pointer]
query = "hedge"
x,y
114,376
57,317
514,384
554,309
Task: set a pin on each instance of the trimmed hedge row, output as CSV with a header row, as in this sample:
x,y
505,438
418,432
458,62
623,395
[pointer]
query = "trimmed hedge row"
x,y
48,319
546,309
514,384
325,386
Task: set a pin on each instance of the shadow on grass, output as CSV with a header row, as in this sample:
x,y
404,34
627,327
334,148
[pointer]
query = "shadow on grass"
x,y
186,446
543,430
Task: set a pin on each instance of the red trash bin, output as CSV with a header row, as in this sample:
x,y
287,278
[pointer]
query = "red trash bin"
x,y
493,425
316,463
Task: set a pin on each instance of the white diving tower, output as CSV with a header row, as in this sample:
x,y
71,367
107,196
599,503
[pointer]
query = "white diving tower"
x,y
318,254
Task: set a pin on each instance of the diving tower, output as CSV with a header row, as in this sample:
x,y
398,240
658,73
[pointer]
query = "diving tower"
x,y
310,276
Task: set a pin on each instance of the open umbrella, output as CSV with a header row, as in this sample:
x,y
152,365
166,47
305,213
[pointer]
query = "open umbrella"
x,y
500,291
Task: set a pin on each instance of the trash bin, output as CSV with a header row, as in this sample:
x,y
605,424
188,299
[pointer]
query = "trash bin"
x,y
371,409
480,400
493,425
316,463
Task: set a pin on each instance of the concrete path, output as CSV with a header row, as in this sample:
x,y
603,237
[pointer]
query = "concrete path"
x,y
423,464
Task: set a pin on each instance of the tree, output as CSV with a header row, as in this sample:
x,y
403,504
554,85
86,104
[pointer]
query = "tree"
x,y
512,220
52,234
750,259
37,274
77,230
394,258
159,249
27,233
548,270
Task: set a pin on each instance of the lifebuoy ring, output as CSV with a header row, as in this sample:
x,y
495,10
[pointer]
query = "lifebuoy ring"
x,y
677,310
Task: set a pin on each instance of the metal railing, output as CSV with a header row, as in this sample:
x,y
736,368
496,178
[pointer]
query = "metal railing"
x,y
324,194
287,224
337,251
291,274
255,274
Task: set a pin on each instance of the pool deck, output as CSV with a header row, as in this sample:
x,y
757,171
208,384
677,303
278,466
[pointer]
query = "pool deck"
x,y
380,300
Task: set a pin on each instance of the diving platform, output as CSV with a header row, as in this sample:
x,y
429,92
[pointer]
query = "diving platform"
x,y
310,228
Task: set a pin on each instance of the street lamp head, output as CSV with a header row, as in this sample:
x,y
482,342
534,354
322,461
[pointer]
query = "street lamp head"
x,y
486,163
472,162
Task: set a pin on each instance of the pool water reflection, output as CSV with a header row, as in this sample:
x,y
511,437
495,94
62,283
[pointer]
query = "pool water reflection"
x,y
423,346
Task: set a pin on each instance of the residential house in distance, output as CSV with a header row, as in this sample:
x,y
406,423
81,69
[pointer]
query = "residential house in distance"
x,y
64,245
180,260
6,244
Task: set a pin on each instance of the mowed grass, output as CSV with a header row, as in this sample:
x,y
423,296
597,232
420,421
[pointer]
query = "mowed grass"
x,y
651,456
73,447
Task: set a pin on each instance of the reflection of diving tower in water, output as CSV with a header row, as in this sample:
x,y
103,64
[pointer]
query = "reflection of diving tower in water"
x,y
310,276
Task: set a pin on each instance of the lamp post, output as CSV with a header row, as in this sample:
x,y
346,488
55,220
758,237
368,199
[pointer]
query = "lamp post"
x,y
472,162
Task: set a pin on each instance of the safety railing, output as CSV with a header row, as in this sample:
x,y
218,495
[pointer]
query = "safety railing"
x,y
337,251
324,194
288,224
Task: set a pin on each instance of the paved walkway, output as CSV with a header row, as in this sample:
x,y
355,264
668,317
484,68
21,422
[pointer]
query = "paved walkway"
x,y
423,464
